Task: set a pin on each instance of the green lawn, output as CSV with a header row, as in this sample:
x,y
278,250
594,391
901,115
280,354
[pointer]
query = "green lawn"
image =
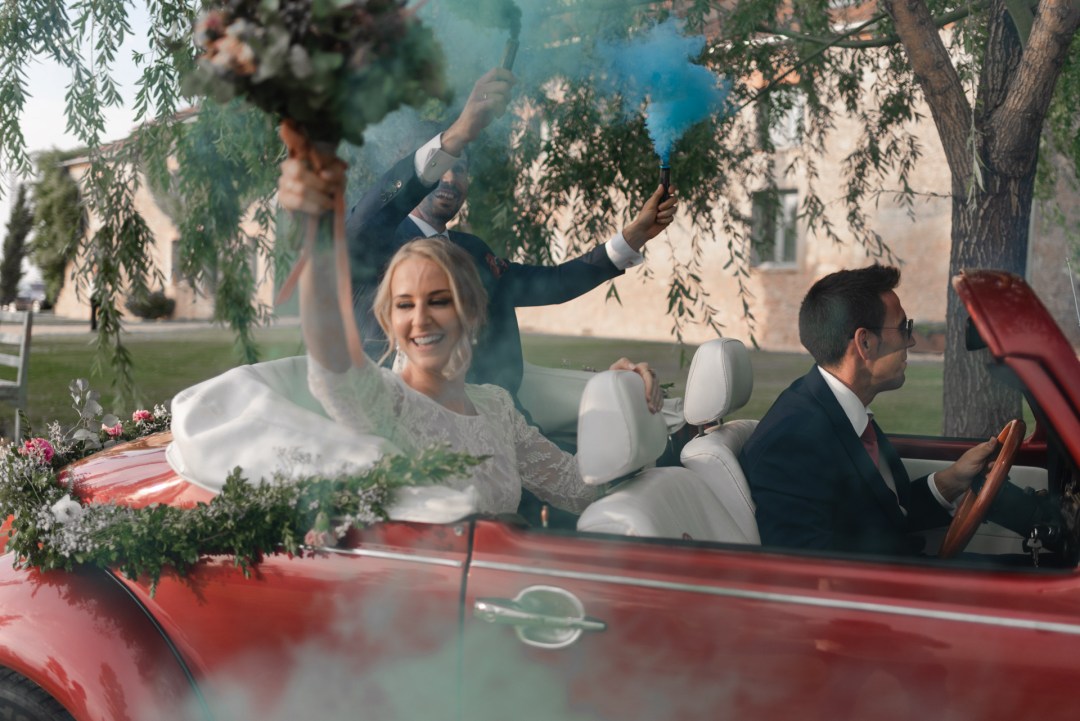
x,y
915,409
164,365
168,363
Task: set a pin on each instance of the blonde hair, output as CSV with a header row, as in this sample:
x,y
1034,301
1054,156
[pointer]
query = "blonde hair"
x,y
470,298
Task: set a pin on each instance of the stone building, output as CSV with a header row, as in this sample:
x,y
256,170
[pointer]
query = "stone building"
x,y
920,242
192,303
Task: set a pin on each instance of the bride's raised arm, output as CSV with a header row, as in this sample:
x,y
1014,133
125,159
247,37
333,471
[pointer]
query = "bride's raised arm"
x,y
303,191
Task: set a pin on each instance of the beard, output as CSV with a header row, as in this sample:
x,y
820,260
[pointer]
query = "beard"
x,y
442,204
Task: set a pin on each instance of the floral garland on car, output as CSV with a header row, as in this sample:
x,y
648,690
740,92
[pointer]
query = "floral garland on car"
x,y
50,527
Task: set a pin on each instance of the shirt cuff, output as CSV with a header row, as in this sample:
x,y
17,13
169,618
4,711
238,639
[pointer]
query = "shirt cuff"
x,y
949,506
621,254
431,161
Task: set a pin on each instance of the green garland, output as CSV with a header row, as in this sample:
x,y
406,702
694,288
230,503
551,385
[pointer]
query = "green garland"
x,y
51,527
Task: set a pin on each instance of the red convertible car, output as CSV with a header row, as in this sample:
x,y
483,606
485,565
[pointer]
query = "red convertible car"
x,y
661,605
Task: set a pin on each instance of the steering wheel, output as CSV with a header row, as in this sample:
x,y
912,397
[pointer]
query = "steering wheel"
x,y
974,507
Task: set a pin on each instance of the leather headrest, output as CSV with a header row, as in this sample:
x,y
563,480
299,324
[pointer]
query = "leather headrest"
x,y
617,434
720,381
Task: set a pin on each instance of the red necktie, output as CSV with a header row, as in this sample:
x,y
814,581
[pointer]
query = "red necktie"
x,y
869,441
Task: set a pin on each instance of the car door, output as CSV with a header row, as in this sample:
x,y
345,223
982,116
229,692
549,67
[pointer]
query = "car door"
x,y
368,630
559,626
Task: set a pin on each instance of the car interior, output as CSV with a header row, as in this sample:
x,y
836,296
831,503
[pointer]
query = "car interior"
x,y
707,497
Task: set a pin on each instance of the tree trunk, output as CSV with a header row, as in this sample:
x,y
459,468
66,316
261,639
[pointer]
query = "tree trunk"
x,y
991,232
991,202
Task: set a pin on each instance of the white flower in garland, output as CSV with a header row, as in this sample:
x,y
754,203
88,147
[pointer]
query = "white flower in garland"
x,y
51,529
67,509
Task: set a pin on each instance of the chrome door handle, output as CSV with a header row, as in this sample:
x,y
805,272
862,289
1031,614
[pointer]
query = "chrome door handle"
x,y
502,610
542,616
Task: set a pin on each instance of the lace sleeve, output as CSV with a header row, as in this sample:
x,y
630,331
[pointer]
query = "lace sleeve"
x,y
547,470
366,399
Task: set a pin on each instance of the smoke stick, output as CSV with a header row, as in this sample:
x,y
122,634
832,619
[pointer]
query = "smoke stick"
x,y
510,53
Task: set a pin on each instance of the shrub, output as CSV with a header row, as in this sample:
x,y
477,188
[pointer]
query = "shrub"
x,y
151,305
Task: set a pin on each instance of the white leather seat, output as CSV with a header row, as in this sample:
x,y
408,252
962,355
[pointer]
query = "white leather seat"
x,y
619,438
720,381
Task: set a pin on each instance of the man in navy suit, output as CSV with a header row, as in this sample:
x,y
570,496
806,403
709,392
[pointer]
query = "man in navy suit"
x,y
423,193
821,472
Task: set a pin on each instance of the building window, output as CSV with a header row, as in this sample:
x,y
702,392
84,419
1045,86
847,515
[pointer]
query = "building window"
x,y
773,231
780,118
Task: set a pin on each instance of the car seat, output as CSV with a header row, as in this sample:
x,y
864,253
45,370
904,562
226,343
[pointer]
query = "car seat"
x,y
720,381
619,440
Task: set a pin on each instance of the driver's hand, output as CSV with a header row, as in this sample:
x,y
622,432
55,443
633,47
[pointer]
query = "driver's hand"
x,y
654,394
957,478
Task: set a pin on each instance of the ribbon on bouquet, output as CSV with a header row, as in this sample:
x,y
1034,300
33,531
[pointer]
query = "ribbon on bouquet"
x,y
300,147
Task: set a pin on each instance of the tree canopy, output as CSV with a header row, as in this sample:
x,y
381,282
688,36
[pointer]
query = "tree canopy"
x,y
18,227
59,220
986,70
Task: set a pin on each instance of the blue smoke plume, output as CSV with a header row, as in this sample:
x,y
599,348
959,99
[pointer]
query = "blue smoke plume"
x,y
656,68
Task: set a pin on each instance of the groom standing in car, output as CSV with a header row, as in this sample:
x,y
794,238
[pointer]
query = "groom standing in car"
x,y
423,193
822,474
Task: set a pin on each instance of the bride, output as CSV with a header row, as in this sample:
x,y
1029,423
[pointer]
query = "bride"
x,y
431,304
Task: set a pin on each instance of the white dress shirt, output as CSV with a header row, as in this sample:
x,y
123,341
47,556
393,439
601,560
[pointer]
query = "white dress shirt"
x,y
859,416
431,162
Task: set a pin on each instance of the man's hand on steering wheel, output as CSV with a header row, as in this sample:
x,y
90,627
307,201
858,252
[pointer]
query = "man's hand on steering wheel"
x,y
975,507
957,478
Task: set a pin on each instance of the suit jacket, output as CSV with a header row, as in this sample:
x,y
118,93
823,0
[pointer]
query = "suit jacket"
x,y
816,487
379,224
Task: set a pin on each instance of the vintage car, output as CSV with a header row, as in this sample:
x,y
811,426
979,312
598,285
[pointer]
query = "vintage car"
x,y
660,605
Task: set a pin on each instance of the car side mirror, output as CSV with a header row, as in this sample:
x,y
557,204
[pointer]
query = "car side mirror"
x,y
972,339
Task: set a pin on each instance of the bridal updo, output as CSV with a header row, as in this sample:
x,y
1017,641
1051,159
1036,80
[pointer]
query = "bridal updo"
x,y
470,298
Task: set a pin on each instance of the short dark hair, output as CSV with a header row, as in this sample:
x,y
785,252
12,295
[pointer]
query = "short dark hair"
x,y
841,303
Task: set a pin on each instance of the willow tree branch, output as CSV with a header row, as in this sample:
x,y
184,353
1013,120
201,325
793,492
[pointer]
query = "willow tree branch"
x,y
937,76
1032,86
878,42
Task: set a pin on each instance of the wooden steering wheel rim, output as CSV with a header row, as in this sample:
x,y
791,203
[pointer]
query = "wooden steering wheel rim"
x,y
974,507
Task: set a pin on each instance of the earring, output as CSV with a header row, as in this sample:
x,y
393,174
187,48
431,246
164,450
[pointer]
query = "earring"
x,y
400,359
473,340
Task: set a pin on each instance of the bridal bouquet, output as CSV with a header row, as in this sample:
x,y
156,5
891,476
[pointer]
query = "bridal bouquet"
x,y
327,69
332,67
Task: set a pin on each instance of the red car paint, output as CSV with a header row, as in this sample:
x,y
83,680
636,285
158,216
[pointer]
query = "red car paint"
x,y
386,629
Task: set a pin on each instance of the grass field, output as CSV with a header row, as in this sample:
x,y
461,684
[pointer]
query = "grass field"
x,y
915,409
166,363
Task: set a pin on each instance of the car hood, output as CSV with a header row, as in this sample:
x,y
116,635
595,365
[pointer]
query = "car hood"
x,y
135,474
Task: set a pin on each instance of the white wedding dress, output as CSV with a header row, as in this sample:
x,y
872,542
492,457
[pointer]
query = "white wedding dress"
x,y
375,400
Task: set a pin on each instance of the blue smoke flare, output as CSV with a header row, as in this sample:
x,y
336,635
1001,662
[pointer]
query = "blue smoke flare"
x,y
656,68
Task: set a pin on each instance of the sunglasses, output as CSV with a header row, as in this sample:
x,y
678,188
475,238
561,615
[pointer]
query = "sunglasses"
x,y
906,328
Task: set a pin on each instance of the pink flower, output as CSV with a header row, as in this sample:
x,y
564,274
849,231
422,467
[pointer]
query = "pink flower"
x,y
142,416
113,431
38,448
316,539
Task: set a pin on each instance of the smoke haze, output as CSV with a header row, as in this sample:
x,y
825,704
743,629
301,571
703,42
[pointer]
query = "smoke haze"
x,y
587,41
656,69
